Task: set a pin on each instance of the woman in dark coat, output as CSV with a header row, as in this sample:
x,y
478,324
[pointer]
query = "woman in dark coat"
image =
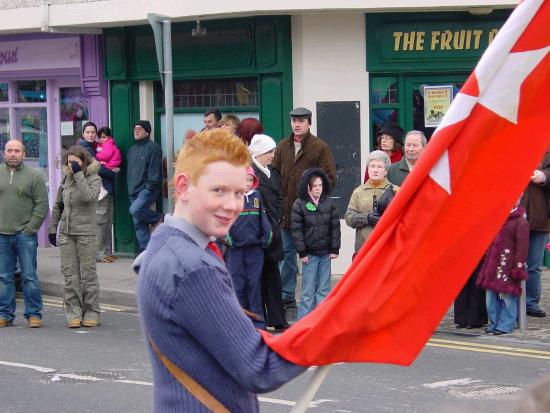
x,y
262,149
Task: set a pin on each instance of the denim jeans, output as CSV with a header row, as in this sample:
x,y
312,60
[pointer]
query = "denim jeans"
x,y
315,283
21,247
502,312
289,266
537,244
143,216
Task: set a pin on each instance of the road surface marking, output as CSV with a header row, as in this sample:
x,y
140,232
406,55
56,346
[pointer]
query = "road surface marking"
x,y
491,346
56,377
490,351
27,366
455,382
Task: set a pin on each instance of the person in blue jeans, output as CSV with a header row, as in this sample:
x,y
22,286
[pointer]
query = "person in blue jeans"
x,y
536,201
504,267
315,227
24,200
144,179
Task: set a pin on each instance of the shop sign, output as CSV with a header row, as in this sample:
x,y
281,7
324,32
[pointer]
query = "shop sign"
x,y
40,54
437,100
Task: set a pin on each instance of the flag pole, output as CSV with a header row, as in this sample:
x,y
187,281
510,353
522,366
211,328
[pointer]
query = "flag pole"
x,y
319,375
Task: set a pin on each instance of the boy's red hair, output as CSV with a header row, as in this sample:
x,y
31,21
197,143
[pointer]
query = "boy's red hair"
x,y
208,147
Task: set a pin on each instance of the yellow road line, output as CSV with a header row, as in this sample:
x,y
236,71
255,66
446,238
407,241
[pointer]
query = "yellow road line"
x,y
482,350
489,346
52,302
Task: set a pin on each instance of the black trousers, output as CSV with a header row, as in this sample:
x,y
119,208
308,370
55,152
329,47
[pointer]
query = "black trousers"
x,y
470,308
272,294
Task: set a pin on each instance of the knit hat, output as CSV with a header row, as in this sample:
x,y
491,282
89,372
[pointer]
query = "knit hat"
x,y
255,179
145,124
261,144
393,129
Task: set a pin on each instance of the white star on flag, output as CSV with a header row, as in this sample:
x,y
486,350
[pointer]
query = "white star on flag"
x,y
499,76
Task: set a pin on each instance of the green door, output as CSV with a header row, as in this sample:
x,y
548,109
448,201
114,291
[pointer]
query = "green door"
x,y
414,92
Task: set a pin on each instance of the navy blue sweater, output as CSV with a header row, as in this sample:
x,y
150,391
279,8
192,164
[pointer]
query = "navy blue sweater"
x,y
252,228
188,307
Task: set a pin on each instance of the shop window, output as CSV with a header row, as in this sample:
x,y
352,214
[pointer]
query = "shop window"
x,y
4,92
207,93
31,125
384,90
31,91
73,108
4,130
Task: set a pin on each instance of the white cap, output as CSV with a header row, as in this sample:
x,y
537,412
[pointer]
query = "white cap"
x,y
261,144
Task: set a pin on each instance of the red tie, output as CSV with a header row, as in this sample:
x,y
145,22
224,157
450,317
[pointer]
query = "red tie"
x,y
213,247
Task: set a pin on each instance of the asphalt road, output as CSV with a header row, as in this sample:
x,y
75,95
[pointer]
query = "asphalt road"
x,y
55,369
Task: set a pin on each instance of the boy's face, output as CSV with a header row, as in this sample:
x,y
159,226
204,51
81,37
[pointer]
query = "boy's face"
x,y
316,187
249,182
215,201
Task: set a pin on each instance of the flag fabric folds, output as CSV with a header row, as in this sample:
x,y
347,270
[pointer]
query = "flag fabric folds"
x,y
444,217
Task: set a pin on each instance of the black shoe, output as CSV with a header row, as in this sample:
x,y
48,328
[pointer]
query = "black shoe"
x,y
499,332
461,326
536,313
289,303
469,327
280,328
488,330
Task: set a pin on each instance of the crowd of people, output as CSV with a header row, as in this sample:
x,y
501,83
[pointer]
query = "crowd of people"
x,y
490,296
288,214
245,209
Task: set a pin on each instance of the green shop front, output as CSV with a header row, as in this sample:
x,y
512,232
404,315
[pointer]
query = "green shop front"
x,y
240,66
417,62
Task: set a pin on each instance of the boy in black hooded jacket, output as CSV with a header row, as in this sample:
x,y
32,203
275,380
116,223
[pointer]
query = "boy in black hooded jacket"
x,y
315,227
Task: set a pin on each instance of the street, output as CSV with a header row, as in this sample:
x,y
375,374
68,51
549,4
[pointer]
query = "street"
x,y
55,369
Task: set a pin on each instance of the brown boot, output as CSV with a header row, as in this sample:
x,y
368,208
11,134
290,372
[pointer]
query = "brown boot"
x,y
5,323
34,322
90,323
74,323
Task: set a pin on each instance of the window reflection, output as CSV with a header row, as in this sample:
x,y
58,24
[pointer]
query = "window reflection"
x,y
31,91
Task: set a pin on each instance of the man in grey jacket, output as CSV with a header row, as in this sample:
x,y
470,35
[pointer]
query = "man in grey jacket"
x,y
24,200
415,142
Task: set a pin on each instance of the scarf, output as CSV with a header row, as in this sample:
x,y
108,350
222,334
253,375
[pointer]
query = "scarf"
x,y
264,169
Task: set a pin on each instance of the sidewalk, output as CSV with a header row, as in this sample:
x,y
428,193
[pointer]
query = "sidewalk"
x,y
117,281
118,287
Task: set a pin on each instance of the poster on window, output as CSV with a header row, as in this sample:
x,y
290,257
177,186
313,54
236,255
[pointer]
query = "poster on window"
x,y
437,100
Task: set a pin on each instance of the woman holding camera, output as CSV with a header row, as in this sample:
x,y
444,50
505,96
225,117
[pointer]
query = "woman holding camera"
x,y
74,212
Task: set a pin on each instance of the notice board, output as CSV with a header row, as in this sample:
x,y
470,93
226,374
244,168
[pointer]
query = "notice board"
x,y
339,125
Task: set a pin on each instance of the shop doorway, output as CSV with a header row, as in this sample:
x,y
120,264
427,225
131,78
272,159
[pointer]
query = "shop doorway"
x,y
71,112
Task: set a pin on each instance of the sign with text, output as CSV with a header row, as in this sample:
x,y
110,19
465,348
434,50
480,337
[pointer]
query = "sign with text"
x,y
429,41
40,54
437,100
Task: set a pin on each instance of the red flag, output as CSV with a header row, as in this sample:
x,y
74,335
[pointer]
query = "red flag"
x,y
450,208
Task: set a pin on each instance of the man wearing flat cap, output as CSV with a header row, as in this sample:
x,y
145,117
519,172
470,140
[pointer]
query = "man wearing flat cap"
x,y
144,180
293,155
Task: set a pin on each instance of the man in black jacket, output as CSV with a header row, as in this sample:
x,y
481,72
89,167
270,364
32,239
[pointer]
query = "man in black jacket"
x,y
144,179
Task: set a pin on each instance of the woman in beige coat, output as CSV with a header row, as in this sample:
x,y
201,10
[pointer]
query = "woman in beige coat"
x,y
74,213
369,201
